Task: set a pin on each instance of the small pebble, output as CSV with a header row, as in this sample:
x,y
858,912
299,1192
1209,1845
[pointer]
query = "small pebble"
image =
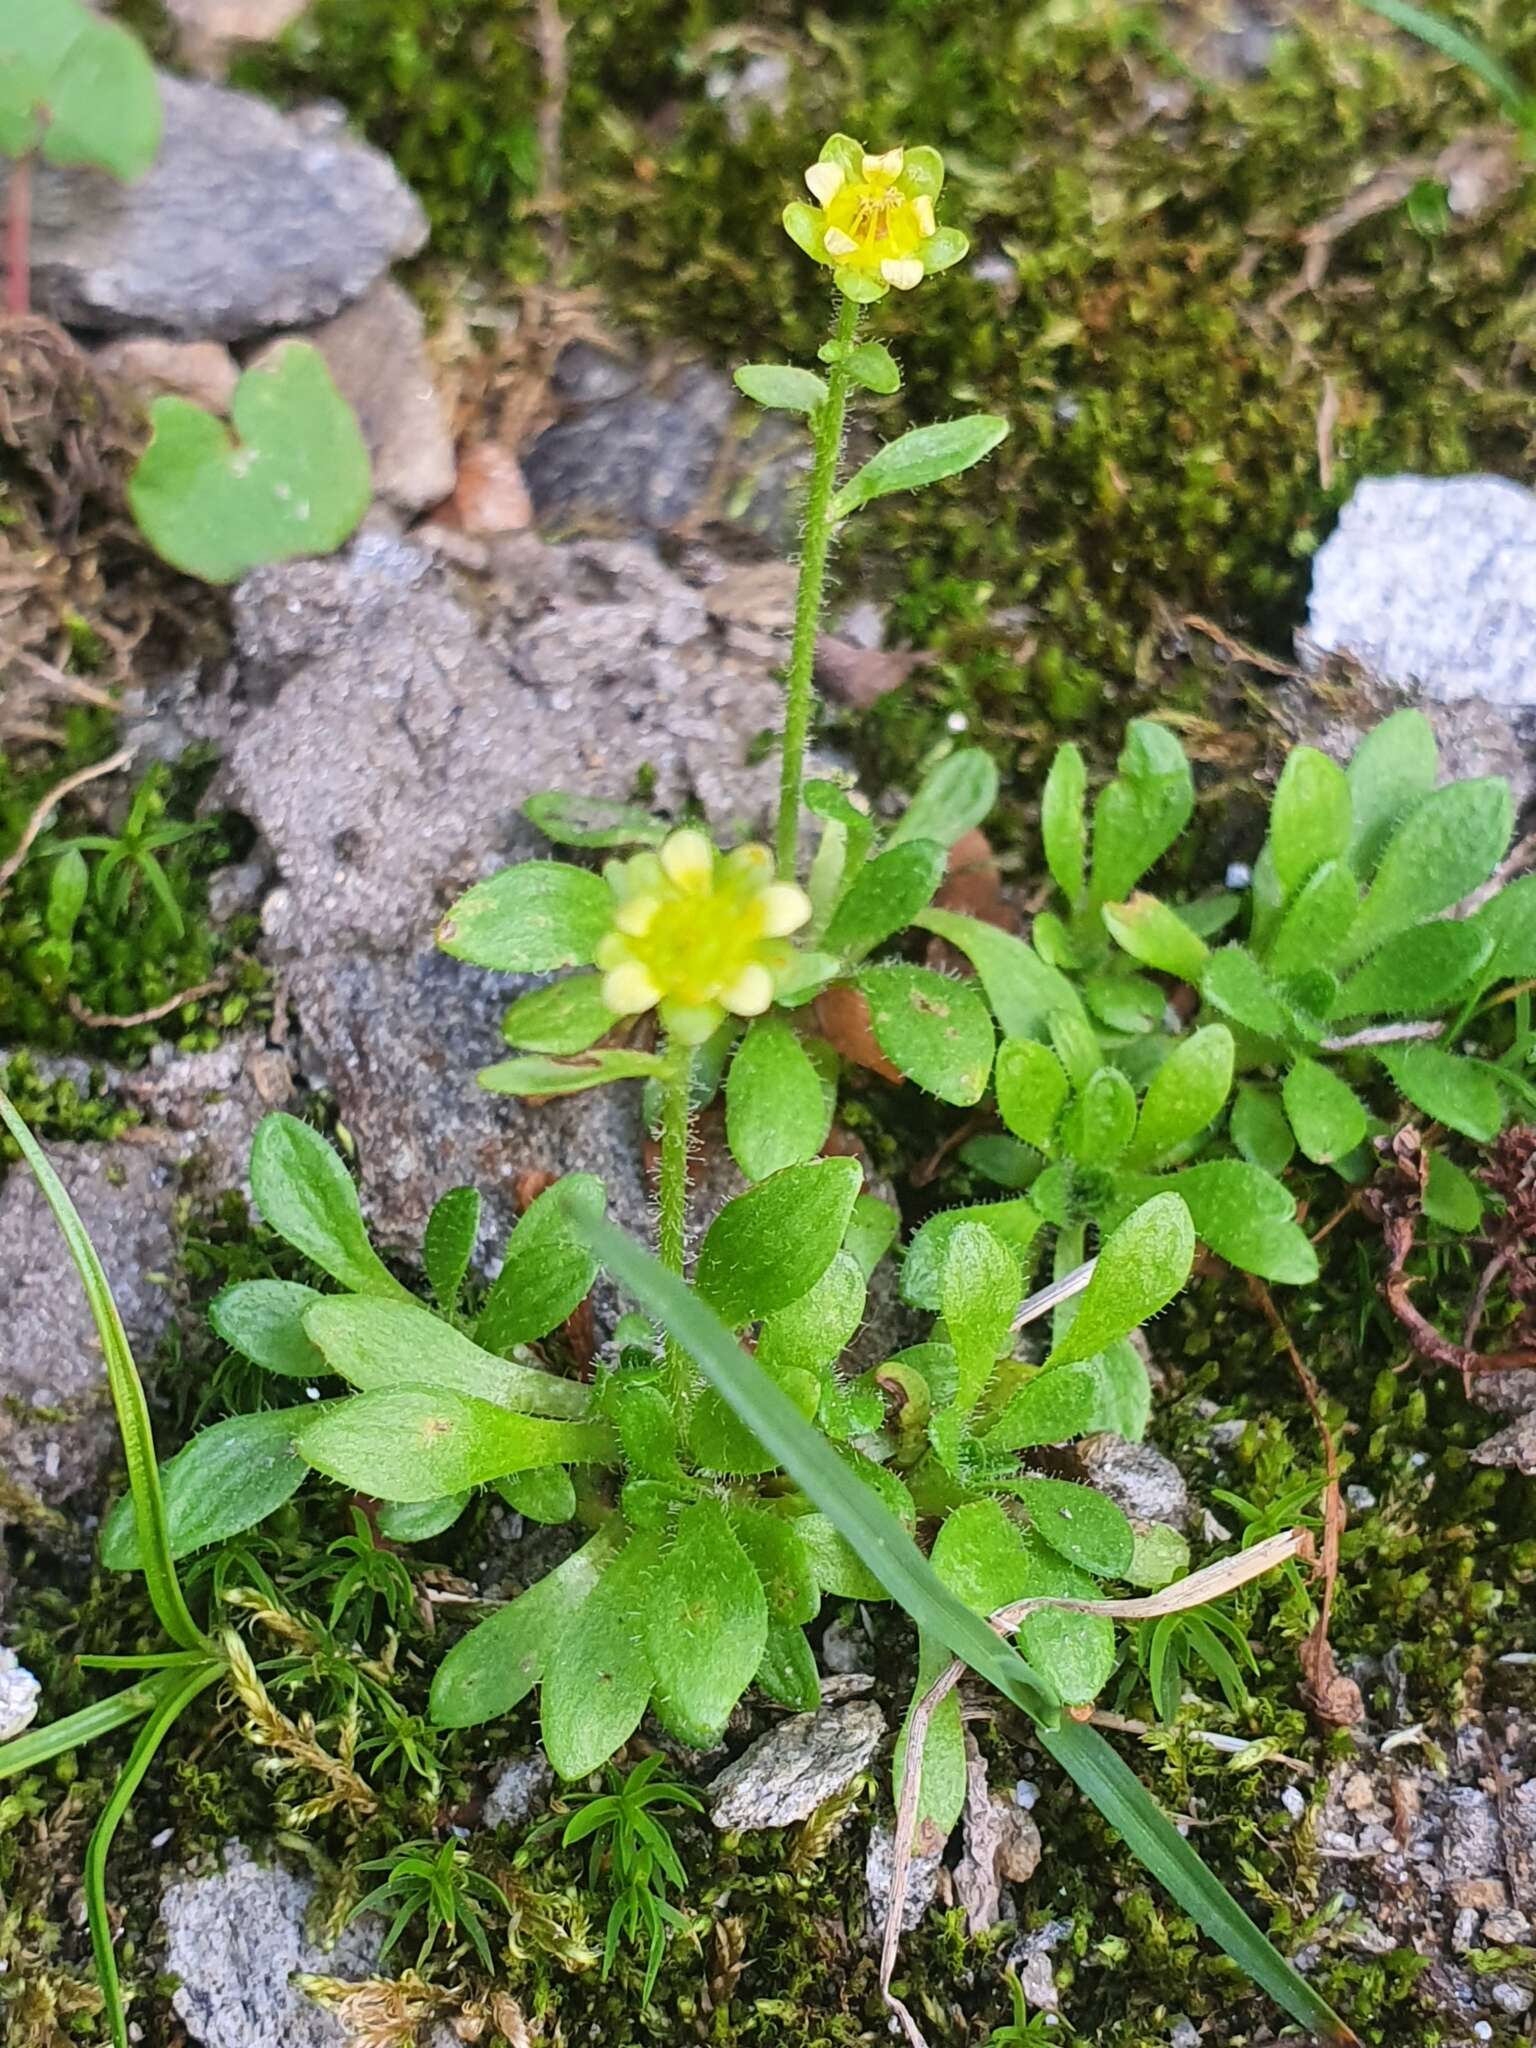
x,y
1512,1998
1185,2035
957,722
1239,875
1360,1498
1294,1802
1025,1793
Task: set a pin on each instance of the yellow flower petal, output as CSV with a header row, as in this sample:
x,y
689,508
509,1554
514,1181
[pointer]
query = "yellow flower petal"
x,y
923,208
839,244
629,989
750,993
903,272
636,917
784,909
825,180
888,165
613,949
688,857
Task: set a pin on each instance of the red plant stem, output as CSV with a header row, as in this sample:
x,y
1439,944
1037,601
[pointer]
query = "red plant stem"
x,y
18,238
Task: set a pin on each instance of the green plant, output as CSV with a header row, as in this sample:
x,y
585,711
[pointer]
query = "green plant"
x,y
1172,1646
632,1848
129,857
438,1883
1436,33
1022,2031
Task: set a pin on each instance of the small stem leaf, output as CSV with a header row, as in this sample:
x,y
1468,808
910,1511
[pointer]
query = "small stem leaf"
x,y
1063,821
771,1245
453,1229
546,1273
412,1444
536,1076
781,386
706,1625
226,1480
492,1669
530,919
952,799
379,1345
305,1193
933,1029
924,456
1326,1114
264,1321
289,476
1139,1271
872,366
778,1109
597,1676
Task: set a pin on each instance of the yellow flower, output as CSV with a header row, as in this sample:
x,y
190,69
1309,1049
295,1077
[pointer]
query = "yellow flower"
x,y
697,934
874,222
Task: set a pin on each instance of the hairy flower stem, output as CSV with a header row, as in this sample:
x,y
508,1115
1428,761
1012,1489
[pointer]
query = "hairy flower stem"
x,y
18,239
827,444
672,1191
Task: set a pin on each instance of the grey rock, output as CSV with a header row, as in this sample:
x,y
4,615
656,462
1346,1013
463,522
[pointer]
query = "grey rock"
x,y
1430,585
585,373
250,220
786,1774
236,1938
377,354
1342,702
521,1790
923,1879
57,1431
1516,1999
1137,1477
1470,1843
642,460
19,1693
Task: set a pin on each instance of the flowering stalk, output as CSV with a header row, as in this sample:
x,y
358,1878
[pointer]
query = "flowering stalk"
x,y
672,1190
827,441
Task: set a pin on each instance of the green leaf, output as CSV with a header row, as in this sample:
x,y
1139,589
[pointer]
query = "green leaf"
x,y
952,799
772,1244
571,818
1445,847
778,1109
1452,1198
910,1580
872,1230
306,1195
1458,1092
1310,820
1052,1408
871,364
1236,984
980,1289
530,919
1508,920
1077,1650
1260,1130
377,1345
1326,1114
1391,769
706,1625
1317,921
781,386
924,456
1246,1216
1032,1089
288,476
718,1442
1024,992
1156,936
1140,814
922,1268
1140,1268
886,895
782,1564
1185,1095
568,1016
79,89
1101,1121
1084,1527
492,1669
418,1521
227,1479
537,1076
414,1442
1127,1391
546,1272
264,1321
127,1390
453,1229
1063,820
1418,972
933,1029
813,1332
788,1671
597,1676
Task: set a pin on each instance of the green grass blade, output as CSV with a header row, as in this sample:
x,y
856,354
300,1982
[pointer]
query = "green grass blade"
x,y
888,1551
127,1395
1461,48
811,1462
172,1704
1099,1771
40,1746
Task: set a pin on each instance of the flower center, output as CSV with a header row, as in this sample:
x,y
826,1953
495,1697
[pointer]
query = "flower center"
x,y
697,946
881,218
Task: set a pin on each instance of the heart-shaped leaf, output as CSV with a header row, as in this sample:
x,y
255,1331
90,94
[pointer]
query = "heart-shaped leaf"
x,y
77,89
291,479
